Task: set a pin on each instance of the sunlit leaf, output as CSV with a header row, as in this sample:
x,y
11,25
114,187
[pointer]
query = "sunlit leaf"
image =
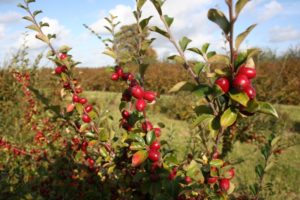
x,y
241,37
220,19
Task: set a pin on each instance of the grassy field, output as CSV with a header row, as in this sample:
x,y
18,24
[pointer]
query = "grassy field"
x,y
284,175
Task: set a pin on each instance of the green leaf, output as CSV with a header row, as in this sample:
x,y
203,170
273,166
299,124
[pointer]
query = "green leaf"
x,y
253,52
157,4
240,97
184,42
228,117
193,170
139,157
28,18
216,163
140,4
203,109
231,188
241,59
150,137
35,13
22,6
267,108
30,1
196,50
219,59
135,146
182,86
42,37
136,137
205,47
240,4
241,37
169,20
145,22
220,19
252,106
160,31
33,27
199,67
202,90
201,118
214,126
259,170
211,54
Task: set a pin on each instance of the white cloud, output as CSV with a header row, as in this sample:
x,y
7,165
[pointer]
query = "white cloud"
x,y
270,10
284,34
8,1
10,17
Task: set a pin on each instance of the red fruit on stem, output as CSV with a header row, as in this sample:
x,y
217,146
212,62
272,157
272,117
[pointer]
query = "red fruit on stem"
x,y
188,179
91,162
114,77
250,91
63,56
224,184
230,173
223,83
86,118
130,77
149,96
67,85
60,69
137,92
119,71
125,114
155,145
88,108
147,126
78,90
157,132
84,146
240,82
140,105
216,155
83,101
212,180
249,72
76,98
154,155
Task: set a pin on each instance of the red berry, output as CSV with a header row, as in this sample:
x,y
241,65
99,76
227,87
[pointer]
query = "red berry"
x,y
130,77
212,180
119,71
223,83
137,92
230,173
147,126
224,184
249,72
76,98
60,69
216,155
140,105
154,155
157,132
86,118
188,179
88,108
78,90
250,91
114,77
83,101
67,85
63,56
84,146
91,162
155,146
241,82
149,96
125,114
127,126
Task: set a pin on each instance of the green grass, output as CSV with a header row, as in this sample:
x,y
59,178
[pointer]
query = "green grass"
x,y
284,175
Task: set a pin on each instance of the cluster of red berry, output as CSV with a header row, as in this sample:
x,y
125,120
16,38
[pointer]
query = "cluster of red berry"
x,y
241,82
136,95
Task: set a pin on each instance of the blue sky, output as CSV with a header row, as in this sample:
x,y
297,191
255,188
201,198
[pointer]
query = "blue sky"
x,y
278,25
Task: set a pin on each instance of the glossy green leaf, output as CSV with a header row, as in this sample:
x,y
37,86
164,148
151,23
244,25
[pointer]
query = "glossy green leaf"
x,y
214,126
240,4
252,106
195,50
240,97
35,13
193,171
182,86
184,42
203,109
241,37
135,146
220,19
228,117
199,67
216,163
267,108
150,137
202,90
137,137
169,20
